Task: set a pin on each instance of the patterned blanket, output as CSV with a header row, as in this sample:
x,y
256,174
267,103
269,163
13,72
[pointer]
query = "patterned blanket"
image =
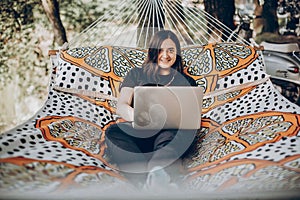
x,y
249,138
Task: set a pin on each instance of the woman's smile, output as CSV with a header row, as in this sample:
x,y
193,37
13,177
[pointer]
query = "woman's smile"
x,y
167,55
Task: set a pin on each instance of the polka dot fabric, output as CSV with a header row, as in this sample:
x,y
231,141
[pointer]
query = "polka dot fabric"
x,y
248,141
70,76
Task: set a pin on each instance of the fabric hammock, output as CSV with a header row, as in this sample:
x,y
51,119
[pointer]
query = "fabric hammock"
x,y
249,138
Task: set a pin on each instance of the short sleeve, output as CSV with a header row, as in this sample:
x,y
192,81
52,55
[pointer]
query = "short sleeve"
x,y
191,81
131,79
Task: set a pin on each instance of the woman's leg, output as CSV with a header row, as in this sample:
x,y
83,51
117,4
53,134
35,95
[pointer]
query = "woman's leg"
x,y
172,144
163,154
125,152
169,147
123,149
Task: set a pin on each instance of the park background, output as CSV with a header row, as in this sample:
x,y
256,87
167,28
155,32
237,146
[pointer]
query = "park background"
x,y
29,31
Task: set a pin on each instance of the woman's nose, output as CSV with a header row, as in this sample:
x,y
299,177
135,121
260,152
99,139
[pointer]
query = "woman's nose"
x,y
164,54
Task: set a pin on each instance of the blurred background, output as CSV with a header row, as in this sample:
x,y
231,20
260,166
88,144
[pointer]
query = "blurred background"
x,y
30,28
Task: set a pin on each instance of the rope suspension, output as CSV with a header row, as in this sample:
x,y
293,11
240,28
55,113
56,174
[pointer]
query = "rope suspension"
x,y
132,23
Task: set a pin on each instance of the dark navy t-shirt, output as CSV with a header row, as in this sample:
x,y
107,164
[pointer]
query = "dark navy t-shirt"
x,y
137,77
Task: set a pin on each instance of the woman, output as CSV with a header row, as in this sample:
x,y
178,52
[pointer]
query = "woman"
x,y
136,155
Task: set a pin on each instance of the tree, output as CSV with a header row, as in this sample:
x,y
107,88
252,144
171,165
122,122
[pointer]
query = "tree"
x,y
222,10
26,36
51,8
265,17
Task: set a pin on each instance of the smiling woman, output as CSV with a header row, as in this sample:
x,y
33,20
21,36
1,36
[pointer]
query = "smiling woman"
x,y
162,67
166,56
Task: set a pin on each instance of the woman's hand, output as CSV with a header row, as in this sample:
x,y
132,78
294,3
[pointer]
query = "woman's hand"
x,y
155,117
143,119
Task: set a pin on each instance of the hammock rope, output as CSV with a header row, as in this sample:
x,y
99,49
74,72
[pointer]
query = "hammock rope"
x,y
83,36
132,23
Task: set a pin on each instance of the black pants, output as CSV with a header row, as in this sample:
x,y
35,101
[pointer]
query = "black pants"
x,y
137,151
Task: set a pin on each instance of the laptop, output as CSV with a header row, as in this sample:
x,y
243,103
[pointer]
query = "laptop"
x,y
172,107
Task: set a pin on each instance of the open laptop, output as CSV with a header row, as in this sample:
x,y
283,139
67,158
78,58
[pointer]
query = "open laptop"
x,y
167,107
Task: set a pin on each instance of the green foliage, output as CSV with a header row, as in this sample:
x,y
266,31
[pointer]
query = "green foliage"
x,y
26,36
15,32
21,56
15,14
85,14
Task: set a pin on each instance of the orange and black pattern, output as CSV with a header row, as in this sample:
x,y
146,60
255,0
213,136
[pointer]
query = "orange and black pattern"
x,y
249,136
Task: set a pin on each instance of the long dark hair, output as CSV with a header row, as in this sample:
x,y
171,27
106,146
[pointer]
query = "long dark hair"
x,y
150,66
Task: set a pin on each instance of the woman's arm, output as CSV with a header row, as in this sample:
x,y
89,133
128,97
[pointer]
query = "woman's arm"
x,y
124,108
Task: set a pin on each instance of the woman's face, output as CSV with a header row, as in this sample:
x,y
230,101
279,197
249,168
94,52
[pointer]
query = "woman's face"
x,y
167,55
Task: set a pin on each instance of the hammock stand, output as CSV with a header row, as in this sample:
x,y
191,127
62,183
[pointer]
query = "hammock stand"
x,y
248,145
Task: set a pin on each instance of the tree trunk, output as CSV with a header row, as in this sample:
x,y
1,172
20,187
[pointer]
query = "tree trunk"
x,y
265,17
51,8
222,10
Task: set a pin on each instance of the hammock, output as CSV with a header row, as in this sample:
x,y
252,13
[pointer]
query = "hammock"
x,y
248,143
